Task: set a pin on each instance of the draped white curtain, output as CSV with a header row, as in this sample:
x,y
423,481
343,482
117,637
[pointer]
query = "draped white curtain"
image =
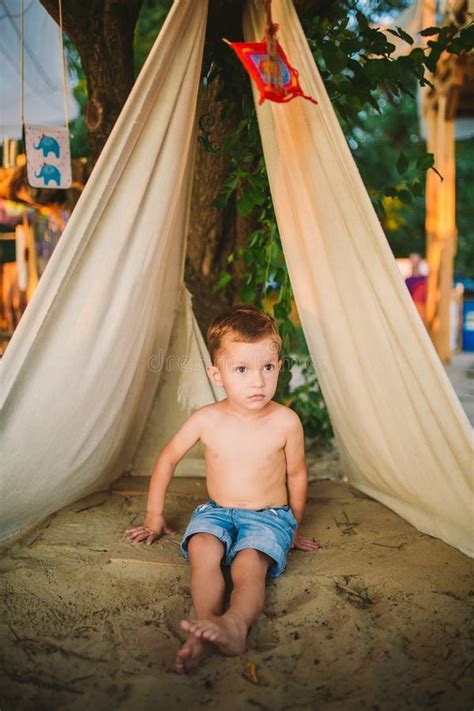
x,y
402,434
77,384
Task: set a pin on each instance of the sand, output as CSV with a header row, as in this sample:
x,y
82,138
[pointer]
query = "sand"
x,y
377,619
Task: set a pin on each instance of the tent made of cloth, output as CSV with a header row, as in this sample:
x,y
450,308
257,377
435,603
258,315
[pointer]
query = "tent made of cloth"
x,y
108,360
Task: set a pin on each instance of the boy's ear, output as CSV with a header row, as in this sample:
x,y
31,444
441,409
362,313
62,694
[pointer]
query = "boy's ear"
x,y
214,375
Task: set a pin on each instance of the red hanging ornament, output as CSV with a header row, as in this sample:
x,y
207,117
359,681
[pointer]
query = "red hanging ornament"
x,y
269,67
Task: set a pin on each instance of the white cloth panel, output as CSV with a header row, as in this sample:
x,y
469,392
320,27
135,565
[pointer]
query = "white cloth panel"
x,y
401,431
76,386
182,384
44,92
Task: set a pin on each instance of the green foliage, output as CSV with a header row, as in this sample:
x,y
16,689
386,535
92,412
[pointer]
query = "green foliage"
x,y
149,24
307,400
79,139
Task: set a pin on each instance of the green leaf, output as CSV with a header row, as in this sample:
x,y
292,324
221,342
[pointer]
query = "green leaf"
x,y
417,188
405,196
247,293
402,163
405,36
373,102
362,20
432,59
467,37
430,31
391,192
280,311
374,68
246,204
335,58
221,200
417,55
456,46
222,281
425,161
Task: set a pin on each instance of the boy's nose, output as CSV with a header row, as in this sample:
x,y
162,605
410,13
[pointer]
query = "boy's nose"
x,y
258,380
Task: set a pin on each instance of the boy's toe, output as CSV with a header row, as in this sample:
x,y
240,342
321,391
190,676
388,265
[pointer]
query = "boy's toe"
x,y
209,634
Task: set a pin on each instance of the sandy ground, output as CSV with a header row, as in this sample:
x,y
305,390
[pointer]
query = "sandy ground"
x,y
378,619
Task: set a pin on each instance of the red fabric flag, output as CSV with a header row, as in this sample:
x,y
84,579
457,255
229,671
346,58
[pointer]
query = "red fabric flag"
x,y
276,79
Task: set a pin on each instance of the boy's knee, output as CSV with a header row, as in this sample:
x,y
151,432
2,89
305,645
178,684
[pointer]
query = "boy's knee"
x,y
251,557
205,546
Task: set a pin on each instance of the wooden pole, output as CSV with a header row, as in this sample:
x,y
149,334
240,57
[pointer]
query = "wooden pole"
x,y
441,233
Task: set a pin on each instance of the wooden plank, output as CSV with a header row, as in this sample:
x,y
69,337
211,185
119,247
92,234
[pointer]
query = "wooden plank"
x,y
187,487
162,552
194,488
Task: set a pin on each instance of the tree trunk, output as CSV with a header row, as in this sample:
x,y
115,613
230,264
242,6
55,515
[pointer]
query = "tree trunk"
x,y
213,232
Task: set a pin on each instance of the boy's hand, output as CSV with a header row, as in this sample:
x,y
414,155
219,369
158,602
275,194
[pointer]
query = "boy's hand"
x,y
147,533
304,544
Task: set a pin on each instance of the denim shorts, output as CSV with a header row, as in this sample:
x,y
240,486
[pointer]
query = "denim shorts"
x,y
269,530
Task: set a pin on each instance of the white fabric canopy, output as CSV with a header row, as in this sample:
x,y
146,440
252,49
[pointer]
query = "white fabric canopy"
x,y
44,95
82,370
401,431
77,378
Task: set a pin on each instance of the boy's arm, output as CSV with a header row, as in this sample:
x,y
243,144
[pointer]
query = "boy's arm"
x,y
155,524
165,465
297,479
296,472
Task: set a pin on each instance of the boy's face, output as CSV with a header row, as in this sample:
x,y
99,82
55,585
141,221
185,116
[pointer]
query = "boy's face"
x,y
248,372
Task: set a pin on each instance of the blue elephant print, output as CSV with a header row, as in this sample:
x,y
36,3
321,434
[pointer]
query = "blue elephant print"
x,y
48,145
49,172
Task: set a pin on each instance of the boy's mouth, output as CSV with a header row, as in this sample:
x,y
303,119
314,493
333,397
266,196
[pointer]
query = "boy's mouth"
x,y
260,396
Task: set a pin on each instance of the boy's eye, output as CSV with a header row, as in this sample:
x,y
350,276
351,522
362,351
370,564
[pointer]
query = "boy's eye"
x,y
269,366
241,369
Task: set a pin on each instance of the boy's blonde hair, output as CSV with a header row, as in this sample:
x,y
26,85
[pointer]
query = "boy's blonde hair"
x,y
246,323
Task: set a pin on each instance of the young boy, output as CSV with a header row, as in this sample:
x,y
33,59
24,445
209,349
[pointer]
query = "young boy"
x,y
256,478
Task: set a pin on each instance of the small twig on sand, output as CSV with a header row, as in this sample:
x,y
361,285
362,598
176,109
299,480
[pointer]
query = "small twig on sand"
x,y
347,526
359,599
350,591
40,683
464,670
90,506
386,545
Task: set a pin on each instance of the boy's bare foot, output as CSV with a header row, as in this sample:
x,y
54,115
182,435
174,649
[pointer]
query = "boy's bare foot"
x,y
192,653
228,632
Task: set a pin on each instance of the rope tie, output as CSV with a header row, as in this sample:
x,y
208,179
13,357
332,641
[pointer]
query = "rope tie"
x,y
22,64
270,66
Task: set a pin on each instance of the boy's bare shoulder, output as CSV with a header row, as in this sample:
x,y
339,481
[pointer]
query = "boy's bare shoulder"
x,y
207,413
287,416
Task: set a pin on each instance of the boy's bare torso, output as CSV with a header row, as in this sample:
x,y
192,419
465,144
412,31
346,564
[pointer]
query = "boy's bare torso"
x,y
245,457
